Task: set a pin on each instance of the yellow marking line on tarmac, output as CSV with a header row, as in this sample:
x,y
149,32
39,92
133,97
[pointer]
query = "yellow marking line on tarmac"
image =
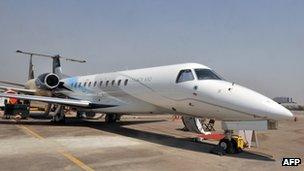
x,y
63,153
75,160
34,134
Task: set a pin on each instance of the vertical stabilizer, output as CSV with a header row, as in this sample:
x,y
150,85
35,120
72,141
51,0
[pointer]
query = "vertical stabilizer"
x,y
31,69
57,67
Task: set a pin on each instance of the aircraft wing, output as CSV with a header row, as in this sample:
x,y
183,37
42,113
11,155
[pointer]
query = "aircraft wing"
x,y
21,90
55,100
68,102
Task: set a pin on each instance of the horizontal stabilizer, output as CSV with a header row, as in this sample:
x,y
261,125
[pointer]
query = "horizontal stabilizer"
x,y
50,56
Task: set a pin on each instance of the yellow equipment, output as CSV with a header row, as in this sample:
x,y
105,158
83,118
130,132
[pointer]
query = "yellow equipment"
x,y
232,145
240,143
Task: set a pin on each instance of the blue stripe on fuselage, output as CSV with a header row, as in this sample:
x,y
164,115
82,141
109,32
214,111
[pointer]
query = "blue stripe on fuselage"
x,y
72,80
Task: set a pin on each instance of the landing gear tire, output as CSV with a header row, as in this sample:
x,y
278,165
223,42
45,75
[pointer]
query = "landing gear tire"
x,y
228,145
59,118
79,114
112,118
90,115
87,115
47,110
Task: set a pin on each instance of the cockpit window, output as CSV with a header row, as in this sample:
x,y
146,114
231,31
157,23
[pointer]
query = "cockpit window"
x,y
206,74
184,75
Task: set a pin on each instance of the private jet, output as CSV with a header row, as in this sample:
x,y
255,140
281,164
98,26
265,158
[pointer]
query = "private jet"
x,y
190,89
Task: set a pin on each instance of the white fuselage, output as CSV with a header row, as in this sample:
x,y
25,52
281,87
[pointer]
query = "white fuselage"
x,y
164,90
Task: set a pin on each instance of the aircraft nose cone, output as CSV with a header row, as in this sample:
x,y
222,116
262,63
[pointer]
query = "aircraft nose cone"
x,y
277,111
264,106
244,100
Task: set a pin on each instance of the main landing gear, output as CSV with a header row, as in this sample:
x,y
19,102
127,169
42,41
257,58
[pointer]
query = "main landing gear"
x,y
59,116
87,115
112,118
109,117
232,143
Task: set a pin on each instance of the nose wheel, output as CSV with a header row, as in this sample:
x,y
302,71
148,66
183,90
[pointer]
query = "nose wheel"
x,y
58,118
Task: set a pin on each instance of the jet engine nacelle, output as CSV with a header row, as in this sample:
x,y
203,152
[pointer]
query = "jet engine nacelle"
x,y
47,81
194,124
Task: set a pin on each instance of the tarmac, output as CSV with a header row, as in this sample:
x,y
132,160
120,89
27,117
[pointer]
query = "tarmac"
x,y
137,143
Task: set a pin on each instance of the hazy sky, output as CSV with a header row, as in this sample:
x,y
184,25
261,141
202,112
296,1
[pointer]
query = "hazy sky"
x,y
258,44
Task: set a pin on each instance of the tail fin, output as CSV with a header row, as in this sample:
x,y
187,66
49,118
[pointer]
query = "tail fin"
x,y
31,69
57,67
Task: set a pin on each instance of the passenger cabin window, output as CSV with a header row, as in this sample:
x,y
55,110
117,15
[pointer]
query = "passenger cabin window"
x,y
107,83
79,85
95,84
119,81
85,84
100,84
184,75
89,84
113,82
126,82
206,74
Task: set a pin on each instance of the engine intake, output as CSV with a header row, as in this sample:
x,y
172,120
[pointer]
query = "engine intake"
x,y
47,81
